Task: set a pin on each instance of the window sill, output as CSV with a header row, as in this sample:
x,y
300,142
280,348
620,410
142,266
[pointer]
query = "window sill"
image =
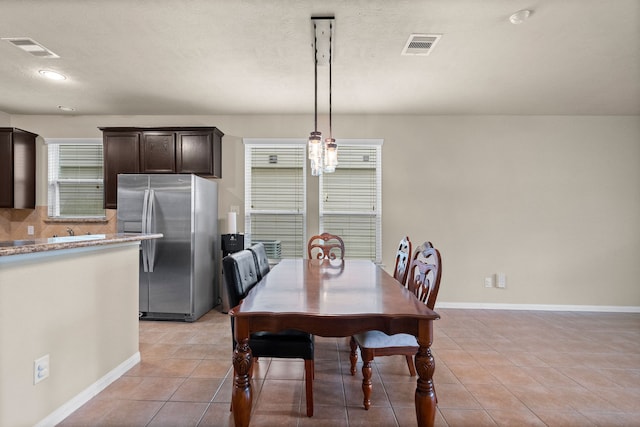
x,y
50,220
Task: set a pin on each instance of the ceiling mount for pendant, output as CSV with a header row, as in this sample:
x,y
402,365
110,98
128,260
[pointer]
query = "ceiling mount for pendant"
x,y
322,28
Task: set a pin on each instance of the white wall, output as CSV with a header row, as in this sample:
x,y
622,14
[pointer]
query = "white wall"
x,y
551,201
78,306
5,120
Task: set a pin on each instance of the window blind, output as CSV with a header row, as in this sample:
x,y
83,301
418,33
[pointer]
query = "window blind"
x,y
75,178
275,193
351,199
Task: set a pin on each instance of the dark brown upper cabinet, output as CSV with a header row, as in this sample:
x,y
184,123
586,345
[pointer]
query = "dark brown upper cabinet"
x,y
199,152
121,155
158,152
196,150
17,169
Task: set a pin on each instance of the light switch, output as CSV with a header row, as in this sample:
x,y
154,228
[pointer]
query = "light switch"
x,y
501,280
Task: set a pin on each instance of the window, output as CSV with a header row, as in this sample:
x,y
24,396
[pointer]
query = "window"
x,y
275,195
351,199
75,187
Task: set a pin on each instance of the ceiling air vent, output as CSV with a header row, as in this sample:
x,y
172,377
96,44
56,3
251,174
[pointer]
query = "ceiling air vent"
x,y
31,46
420,44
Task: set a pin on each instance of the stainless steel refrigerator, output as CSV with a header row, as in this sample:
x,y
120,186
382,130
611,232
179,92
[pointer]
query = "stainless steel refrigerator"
x,y
178,273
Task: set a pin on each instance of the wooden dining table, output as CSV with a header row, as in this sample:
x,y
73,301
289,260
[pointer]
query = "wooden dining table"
x,y
332,298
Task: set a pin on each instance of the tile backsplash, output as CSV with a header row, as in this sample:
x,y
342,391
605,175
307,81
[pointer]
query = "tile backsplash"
x,y
14,224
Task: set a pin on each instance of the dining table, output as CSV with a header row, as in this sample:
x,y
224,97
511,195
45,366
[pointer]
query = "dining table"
x,y
332,298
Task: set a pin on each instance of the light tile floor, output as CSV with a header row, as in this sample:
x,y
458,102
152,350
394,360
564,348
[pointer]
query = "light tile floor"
x,y
493,368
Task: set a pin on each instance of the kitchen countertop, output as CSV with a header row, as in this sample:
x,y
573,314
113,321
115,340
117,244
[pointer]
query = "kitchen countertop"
x,y
16,247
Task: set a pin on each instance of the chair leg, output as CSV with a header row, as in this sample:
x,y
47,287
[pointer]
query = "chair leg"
x,y
367,357
412,367
354,355
309,372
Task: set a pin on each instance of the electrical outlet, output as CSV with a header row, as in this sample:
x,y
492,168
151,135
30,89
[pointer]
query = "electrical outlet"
x,y
488,282
501,280
40,369
30,230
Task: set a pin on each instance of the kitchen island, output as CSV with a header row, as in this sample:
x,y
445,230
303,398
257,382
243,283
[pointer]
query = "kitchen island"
x,y
75,300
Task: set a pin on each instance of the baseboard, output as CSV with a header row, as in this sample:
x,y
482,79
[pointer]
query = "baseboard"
x,y
83,397
540,307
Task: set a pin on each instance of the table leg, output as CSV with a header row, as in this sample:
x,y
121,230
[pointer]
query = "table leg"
x,y
242,396
425,391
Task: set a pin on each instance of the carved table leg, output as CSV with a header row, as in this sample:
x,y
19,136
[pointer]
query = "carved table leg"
x,y
367,358
242,396
425,391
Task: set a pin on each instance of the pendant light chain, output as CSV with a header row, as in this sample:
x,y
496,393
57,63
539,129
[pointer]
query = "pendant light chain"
x,y
330,62
315,79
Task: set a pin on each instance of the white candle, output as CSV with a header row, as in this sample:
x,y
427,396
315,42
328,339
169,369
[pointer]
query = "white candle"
x,y
231,223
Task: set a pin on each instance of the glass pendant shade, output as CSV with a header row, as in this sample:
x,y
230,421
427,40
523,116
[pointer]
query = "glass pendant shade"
x,y
315,145
330,155
315,153
316,168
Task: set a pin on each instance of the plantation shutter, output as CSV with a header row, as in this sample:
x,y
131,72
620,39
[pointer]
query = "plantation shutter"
x,y
75,178
275,195
350,200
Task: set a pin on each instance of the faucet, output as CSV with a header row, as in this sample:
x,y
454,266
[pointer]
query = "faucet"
x,y
70,231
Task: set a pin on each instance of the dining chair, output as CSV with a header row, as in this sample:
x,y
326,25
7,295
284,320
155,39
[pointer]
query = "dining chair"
x,y
403,255
241,271
400,273
424,273
261,259
325,246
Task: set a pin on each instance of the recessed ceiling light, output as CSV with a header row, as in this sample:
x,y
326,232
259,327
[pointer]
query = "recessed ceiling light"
x,y
52,75
520,16
63,108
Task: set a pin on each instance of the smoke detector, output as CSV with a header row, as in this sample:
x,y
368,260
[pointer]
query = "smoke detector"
x,y
420,44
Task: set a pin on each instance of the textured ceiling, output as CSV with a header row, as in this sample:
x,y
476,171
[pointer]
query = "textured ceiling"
x,y
254,57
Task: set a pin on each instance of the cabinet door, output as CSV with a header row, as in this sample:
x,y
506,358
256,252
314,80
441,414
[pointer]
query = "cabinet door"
x,y
6,170
198,152
17,169
121,155
194,152
158,152
24,170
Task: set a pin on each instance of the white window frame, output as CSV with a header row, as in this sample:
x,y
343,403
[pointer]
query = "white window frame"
x,y
373,143
53,179
250,143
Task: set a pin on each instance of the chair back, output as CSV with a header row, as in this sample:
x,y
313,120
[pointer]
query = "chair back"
x,y
241,274
327,246
402,260
424,274
261,259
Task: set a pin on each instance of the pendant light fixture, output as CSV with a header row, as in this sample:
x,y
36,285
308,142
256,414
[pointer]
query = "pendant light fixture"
x,y
323,157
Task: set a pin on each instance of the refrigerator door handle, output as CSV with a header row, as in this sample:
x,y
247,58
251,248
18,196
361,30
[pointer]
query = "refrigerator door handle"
x,y
145,243
151,256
